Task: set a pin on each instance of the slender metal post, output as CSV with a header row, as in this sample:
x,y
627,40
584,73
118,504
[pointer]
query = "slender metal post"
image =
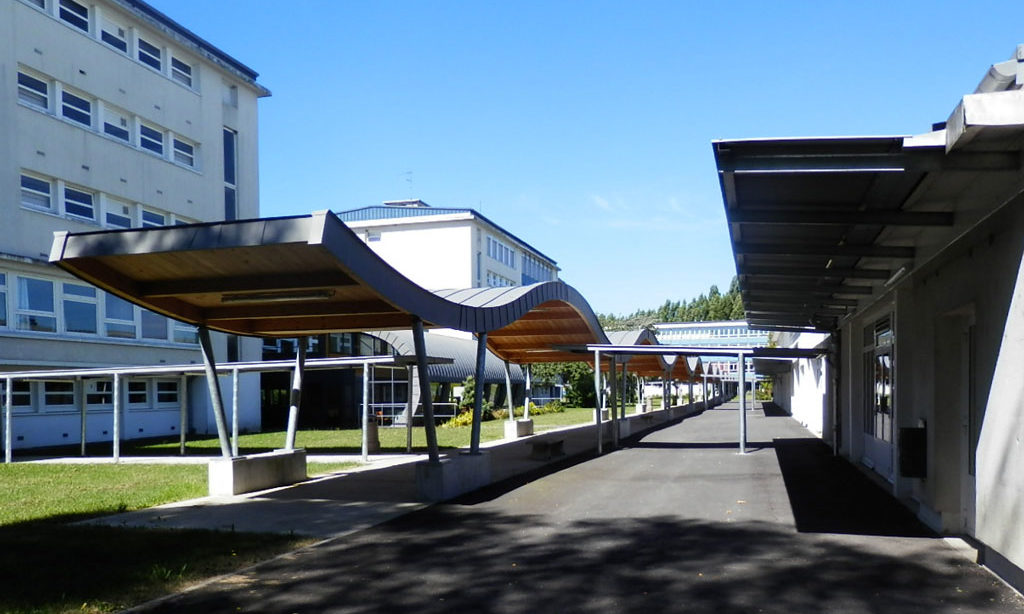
x,y
234,411
622,393
117,417
743,405
529,392
598,397
214,385
8,402
613,401
183,404
409,407
430,429
508,392
80,384
365,446
478,393
296,394
689,392
666,393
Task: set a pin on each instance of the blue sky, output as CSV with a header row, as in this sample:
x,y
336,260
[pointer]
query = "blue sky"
x,y
584,128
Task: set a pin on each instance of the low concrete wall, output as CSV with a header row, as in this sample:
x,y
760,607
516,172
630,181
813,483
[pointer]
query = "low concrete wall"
x,y
234,476
518,428
452,476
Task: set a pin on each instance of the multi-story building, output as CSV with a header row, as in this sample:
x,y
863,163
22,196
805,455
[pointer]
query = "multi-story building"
x,y
113,116
724,334
442,247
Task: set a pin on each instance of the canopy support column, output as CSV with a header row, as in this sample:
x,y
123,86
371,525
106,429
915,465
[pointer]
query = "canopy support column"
x,y
508,393
428,403
214,385
689,393
117,417
296,394
529,392
409,408
234,411
743,404
478,392
183,403
666,392
613,400
80,384
598,397
365,444
8,401
622,393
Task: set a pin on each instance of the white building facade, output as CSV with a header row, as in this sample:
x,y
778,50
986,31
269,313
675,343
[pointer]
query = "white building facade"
x,y
441,248
113,116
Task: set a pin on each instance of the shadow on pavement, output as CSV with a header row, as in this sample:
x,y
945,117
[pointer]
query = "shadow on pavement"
x,y
828,495
450,559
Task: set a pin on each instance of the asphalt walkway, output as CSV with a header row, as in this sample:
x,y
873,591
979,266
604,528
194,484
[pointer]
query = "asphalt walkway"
x,y
673,521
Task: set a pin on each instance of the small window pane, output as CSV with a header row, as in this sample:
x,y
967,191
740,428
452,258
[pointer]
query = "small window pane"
x,y
185,333
167,392
151,139
76,108
79,317
151,219
59,393
154,325
230,204
184,153
181,72
120,316
33,91
35,294
138,392
35,193
75,14
119,215
116,125
114,35
100,392
77,202
230,161
149,55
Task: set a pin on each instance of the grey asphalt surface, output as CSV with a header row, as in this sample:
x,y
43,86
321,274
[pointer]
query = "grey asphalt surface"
x,y
673,521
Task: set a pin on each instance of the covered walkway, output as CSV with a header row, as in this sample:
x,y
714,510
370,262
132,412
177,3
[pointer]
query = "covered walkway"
x,y
675,521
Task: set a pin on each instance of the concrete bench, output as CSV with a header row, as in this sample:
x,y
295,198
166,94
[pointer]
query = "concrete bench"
x,y
547,449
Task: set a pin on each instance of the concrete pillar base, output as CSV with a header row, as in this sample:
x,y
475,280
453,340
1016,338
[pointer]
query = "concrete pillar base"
x,y
624,429
452,476
372,437
241,474
605,415
518,428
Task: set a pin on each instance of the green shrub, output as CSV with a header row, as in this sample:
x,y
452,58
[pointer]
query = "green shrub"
x,y
465,418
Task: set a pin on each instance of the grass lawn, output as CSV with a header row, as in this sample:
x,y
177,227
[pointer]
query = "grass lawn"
x,y
52,566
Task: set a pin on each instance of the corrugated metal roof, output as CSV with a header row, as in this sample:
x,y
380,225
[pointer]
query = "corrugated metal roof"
x,y
462,351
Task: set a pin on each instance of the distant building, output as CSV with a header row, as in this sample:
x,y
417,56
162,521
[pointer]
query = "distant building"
x,y
723,334
112,115
443,247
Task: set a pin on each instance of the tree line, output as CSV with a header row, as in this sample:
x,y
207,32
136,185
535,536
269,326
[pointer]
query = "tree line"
x,y
710,307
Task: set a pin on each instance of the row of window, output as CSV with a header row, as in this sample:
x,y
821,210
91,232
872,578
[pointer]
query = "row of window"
x,y
42,193
64,395
536,270
34,304
54,98
498,281
501,252
109,30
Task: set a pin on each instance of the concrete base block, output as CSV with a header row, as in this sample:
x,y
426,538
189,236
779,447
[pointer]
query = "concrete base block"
x,y
372,437
624,429
604,415
452,476
518,428
234,476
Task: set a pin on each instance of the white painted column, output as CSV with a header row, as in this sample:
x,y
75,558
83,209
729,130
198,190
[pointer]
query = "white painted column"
x,y
529,392
409,410
8,402
216,400
598,396
296,393
508,392
478,393
365,446
613,400
743,405
80,385
183,404
234,411
117,417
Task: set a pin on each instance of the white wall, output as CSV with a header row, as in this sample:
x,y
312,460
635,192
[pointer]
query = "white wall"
x,y
435,255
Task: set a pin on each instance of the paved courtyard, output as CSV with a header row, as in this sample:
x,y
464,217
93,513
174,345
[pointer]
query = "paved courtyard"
x,y
674,521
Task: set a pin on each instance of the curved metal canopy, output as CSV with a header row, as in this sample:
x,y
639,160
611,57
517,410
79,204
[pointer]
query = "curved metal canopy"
x,y
310,274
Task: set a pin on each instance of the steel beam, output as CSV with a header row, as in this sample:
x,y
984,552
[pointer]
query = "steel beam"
x,y
833,217
799,248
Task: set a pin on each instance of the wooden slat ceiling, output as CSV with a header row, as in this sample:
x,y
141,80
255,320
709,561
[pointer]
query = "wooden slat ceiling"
x,y
308,275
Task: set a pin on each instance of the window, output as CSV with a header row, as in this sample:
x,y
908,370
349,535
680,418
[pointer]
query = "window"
x,y
75,14
114,34
21,393
152,219
79,203
35,193
117,124
185,333
230,174
154,325
79,309
181,71
40,3
33,91
184,152
3,299
119,214
166,391
138,392
76,108
150,55
120,318
100,392
56,394
151,138
36,305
